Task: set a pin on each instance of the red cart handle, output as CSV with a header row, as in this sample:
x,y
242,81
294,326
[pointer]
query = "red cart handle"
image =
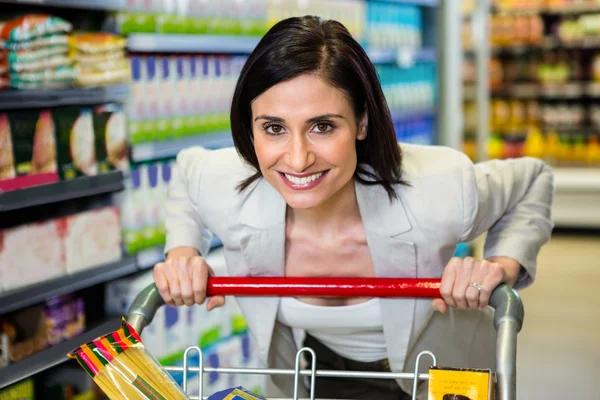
x,y
323,287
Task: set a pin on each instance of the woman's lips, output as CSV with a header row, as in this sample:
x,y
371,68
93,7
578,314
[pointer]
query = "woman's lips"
x,y
306,182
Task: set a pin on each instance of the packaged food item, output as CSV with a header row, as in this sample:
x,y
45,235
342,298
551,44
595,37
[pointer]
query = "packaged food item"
x,y
238,393
20,59
464,384
24,333
76,142
31,26
7,160
124,369
3,81
91,238
49,78
110,129
96,42
31,253
119,73
89,60
37,43
28,151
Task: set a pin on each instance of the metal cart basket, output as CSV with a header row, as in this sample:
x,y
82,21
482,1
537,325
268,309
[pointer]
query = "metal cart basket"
x,y
508,320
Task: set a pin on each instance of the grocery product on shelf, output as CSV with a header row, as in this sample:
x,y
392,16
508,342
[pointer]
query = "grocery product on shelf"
x,y
141,205
176,96
392,26
91,238
34,53
99,58
28,154
23,390
91,140
41,251
37,328
408,89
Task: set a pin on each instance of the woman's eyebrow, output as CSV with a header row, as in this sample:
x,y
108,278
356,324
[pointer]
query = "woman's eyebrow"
x,y
324,116
269,118
310,120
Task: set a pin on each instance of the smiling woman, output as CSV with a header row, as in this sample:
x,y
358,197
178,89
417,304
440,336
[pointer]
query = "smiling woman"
x,y
317,185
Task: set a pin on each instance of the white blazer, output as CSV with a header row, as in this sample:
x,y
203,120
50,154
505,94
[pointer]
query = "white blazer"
x,y
449,200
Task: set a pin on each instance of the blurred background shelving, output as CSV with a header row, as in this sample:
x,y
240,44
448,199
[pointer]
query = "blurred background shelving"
x,y
541,80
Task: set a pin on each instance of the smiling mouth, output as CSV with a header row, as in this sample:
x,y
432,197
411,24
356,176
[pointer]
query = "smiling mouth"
x,y
304,182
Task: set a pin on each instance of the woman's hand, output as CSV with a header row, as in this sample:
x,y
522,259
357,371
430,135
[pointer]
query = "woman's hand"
x,y
467,284
182,280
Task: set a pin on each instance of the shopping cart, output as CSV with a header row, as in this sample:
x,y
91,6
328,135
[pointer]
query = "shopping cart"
x,y
508,320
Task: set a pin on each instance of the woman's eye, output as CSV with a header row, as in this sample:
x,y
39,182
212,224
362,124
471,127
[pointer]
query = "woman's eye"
x,y
323,127
274,129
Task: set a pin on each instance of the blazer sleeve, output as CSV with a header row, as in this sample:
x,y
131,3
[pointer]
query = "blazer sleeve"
x,y
183,225
511,200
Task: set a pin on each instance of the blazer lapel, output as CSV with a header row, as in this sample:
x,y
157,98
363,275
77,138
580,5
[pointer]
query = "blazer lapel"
x,y
392,257
262,243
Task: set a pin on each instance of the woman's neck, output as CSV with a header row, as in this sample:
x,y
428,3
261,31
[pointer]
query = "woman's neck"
x,y
331,217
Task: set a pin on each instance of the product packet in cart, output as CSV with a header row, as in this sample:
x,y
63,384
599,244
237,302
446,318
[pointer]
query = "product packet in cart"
x,y
238,393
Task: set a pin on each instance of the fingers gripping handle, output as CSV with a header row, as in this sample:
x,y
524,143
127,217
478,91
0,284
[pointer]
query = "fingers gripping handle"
x,y
505,300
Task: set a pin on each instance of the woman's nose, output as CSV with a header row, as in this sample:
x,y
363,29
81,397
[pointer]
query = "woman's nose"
x,y
301,155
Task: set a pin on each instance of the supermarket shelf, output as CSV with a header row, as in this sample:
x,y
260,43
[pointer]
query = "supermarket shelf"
x,y
53,356
23,297
170,43
61,191
424,3
413,115
170,148
577,197
107,5
405,56
16,99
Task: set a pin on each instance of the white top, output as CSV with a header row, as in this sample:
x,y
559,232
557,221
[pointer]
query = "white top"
x,y
354,332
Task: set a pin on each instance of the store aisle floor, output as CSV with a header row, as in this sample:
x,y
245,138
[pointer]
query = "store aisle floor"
x,y
559,346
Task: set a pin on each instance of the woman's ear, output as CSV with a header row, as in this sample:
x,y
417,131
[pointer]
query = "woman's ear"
x,y
363,127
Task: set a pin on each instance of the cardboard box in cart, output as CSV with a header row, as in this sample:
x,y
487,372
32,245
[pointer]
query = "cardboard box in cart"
x,y
461,384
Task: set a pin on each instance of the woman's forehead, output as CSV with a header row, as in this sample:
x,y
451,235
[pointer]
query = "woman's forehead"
x,y
305,95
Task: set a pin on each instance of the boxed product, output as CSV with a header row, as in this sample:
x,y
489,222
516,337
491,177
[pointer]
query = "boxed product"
x,y
22,334
110,129
76,142
64,318
31,253
238,393
28,149
92,238
461,384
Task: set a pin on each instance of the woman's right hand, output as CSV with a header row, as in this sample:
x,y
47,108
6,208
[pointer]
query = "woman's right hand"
x,y
182,280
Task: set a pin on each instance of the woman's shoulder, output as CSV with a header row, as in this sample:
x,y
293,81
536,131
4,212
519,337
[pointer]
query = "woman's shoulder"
x,y
421,161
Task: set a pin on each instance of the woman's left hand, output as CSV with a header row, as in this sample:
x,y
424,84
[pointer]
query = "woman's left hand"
x,y
467,284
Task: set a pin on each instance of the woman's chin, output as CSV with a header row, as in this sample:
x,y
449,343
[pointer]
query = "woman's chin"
x,y
303,201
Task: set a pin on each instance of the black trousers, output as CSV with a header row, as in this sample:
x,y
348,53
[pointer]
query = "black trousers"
x,y
351,388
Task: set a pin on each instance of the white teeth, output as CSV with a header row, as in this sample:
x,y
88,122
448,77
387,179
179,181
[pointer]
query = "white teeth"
x,y
303,181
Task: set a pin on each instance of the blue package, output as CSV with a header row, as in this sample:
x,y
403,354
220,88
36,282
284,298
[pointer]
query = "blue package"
x,y
238,393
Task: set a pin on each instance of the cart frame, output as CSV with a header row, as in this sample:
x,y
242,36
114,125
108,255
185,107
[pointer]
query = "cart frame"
x,y
508,321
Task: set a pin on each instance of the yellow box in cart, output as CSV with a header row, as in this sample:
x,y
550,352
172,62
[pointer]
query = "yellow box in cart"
x,y
461,384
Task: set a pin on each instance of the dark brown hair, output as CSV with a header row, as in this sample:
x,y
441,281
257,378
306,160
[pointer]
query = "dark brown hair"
x,y
309,45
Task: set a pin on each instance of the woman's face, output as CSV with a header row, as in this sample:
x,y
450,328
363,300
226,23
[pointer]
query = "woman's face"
x,y
305,134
